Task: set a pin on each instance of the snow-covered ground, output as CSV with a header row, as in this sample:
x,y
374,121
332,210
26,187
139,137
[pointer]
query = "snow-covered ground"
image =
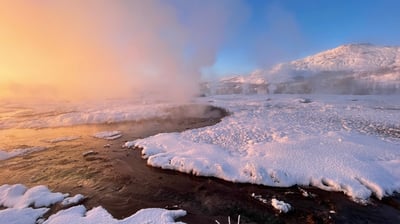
x,y
333,142
28,206
347,69
337,143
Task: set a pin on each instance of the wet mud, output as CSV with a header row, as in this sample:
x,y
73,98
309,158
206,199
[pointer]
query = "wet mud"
x,y
119,179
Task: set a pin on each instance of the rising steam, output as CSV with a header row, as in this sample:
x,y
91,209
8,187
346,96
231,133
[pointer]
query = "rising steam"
x,y
104,49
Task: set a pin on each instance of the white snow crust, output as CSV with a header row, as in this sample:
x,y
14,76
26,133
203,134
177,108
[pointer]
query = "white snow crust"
x,y
360,69
281,206
78,214
355,57
336,143
18,200
72,200
26,206
21,215
19,196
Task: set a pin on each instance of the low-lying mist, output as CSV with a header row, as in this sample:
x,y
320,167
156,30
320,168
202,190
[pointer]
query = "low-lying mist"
x,y
95,49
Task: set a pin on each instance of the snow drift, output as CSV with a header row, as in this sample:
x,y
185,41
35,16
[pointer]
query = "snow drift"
x,y
336,143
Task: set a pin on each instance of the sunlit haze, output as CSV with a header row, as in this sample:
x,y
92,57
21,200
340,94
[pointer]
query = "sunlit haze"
x,y
106,49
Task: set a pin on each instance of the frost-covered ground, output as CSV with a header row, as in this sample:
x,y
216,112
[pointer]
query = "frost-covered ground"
x,y
24,205
337,143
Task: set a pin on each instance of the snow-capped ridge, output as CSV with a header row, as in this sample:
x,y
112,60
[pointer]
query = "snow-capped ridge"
x,y
360,69
350,57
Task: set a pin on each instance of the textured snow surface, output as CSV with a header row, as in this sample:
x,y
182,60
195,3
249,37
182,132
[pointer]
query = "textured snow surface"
x,y
26,206
19,196
18,199
360,69
281,206
78,214
72,200
337,143
355,57
21,215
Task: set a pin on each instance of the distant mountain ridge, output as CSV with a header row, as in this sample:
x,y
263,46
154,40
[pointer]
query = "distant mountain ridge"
x,y
347,69
354,57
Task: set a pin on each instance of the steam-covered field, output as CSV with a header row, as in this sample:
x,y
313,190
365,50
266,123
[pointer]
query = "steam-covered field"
x,y
341,143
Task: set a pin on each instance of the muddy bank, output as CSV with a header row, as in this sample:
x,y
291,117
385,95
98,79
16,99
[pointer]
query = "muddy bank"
x,y
119,179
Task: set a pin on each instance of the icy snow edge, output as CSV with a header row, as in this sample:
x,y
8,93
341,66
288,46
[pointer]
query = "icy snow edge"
x,y
336,143
18,199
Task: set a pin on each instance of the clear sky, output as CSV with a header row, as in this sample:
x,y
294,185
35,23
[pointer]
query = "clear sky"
x,y
282,30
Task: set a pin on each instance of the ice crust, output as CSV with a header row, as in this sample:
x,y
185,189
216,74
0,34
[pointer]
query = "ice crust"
x,y
336,143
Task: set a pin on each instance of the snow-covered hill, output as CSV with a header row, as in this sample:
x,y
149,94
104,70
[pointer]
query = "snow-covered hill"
x,y
347,69
351,57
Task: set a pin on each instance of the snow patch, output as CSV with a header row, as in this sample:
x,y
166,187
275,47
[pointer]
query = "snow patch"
x,y
19,196
72,200
21,215
281,206
78,214
18,199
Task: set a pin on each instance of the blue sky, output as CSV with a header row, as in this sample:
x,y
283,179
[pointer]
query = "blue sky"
x,y
283,30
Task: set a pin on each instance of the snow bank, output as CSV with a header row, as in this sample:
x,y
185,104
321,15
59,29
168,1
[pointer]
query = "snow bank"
x,y
18,152
21,216
18,199
78,214
336,143
19,196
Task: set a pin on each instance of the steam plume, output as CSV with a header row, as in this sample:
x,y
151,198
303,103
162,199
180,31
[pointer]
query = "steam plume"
x,y
102,49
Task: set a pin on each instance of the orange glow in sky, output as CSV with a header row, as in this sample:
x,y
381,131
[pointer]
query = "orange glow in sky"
x,y
72,49
48,51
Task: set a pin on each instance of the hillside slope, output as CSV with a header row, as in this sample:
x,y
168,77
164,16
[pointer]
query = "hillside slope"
x,y
347,69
